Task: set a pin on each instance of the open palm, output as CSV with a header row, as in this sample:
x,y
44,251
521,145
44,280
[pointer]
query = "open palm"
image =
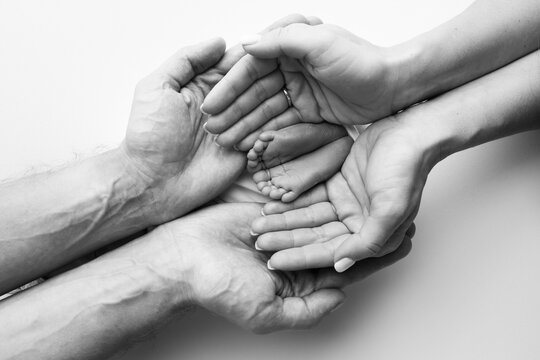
x,y
365,210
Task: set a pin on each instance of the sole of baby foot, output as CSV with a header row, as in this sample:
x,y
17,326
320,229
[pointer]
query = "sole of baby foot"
x,y
280,146
288,181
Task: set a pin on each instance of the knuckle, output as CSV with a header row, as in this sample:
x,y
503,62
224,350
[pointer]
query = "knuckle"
x,y
266,111
260,91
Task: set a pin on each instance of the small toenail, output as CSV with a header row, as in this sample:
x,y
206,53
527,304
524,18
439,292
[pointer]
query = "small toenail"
x,y
236,148
270,267
257,247
262,212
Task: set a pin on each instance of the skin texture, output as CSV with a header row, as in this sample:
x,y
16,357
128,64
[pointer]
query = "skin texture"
x,y
206,258
165,139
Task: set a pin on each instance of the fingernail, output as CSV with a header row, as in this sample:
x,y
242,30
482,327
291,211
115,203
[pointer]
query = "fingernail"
x,y
343,264
252,233
262,212
257,247
200,108
215,142
205,129
269,266
250,39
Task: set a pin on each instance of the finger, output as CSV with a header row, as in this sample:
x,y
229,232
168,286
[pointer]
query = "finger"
x,y
241,76
314,20
364,268
307,311
306,257
283,120
280,240
287,20
248,70
296,40
245,102
266,111
383,221
231,57
308,217
193,60
315,195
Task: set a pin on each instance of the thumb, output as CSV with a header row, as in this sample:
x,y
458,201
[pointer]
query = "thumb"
x,y
193,60
295,40
367,243
307,311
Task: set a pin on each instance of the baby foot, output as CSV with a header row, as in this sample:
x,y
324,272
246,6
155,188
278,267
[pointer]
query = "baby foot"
x,y
280,146
288,180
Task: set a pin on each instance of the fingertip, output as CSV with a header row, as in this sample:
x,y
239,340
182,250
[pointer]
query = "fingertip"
x,y
343,264
257,226
314,20
201,108
250,39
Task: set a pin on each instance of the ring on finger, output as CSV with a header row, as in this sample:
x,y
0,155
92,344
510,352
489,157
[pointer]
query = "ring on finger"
x,y
287,96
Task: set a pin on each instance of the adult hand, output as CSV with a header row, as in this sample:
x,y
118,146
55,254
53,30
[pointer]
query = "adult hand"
x,y
229,277
329,73
165,141
364,211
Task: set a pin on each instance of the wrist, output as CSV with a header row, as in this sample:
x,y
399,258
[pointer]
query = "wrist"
x,y
437,134
169,265
145,188
403,63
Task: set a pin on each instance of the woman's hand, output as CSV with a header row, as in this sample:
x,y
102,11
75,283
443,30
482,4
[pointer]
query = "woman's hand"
x,y
366,210
329,73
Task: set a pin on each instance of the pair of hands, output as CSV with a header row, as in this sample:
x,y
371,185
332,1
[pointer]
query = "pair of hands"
x,y
334,76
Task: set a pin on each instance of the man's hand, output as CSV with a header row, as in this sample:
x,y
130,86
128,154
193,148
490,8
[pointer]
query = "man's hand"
x,y
229,277
329,73
165,141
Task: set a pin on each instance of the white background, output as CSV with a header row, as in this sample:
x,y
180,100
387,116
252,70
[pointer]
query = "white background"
x,y
468,290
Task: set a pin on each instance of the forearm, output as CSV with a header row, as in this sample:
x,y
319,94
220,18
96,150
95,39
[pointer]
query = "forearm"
x,y
499,104
53,218
486,36
96,309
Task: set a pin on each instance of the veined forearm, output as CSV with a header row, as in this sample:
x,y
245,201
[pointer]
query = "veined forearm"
x,y
499,104
485,37
104,305
52,218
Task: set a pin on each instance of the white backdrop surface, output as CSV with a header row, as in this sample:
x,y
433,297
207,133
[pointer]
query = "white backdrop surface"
x,y
468,290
